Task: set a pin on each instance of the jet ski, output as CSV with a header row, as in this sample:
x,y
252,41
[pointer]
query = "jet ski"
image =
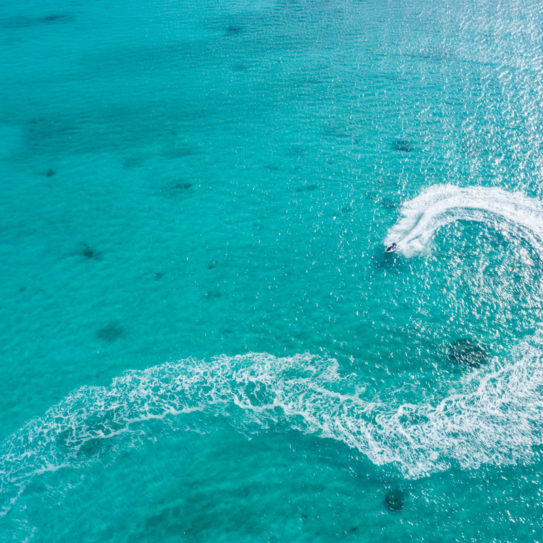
x,y
392,248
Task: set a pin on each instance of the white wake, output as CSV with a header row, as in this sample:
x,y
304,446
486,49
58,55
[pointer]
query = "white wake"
x,y
493,416
511,213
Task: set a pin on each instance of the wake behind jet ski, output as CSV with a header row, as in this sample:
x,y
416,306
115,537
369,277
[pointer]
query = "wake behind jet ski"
x,y
392,248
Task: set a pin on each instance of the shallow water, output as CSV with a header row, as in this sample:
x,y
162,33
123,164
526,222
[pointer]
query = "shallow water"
x,y
202,338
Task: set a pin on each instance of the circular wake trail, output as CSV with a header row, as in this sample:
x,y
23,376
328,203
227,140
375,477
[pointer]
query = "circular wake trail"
x,y
511,213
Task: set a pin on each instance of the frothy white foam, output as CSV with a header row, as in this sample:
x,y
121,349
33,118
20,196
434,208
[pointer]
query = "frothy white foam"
x,y
493,416
512,213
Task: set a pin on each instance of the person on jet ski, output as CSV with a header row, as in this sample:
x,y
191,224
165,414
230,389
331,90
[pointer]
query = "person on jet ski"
x,y
391,248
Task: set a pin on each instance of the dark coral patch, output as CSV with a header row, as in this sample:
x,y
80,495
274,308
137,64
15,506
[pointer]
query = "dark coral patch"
x,y
133,162
89,252
56,18
371,195
233,30
394,500
403,146
50,172
213,293
182,185
21,22
178,188
110,332
307,188
388,203
468,353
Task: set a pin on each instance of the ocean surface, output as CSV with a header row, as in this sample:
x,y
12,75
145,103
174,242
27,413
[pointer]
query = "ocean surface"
x,y
202,338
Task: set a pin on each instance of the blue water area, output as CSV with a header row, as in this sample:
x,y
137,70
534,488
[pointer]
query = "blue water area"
x,y
202,338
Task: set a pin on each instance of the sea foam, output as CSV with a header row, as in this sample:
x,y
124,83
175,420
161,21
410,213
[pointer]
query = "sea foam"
x,y
490,417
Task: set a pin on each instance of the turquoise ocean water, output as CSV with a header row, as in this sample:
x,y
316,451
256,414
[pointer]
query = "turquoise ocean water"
x,y
202,338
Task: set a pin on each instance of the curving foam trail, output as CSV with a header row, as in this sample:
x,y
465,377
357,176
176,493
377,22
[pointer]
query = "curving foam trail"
x,y
512,213
492,416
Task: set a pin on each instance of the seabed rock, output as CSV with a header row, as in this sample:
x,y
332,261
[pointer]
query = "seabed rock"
x,y
88,252
110,332
213,293
468,353
233,30
307,188
403,146
394,500
179,188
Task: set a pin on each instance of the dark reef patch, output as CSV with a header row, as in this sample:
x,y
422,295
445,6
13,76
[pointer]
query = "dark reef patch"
x,y
182,185
307,188
133,162
468,353
110,332
159,275
20,22
404,146
42,133
388,203
56,18
213,293
89,252
50,172
233,30
371,195
394,500
178,188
